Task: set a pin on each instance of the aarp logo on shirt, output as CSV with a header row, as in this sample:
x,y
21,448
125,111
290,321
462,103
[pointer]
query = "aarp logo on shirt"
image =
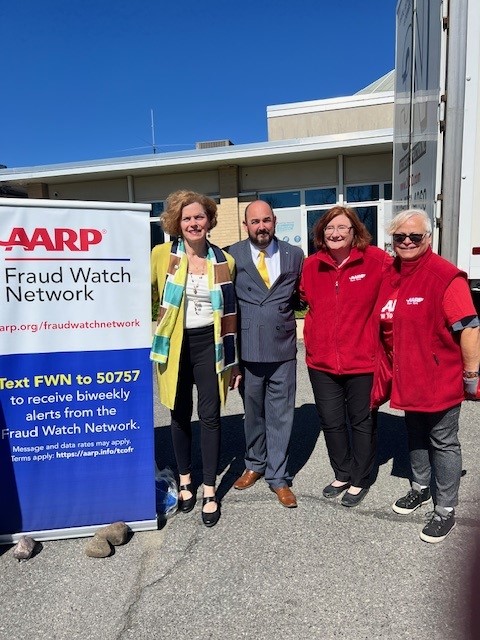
x,y
357,277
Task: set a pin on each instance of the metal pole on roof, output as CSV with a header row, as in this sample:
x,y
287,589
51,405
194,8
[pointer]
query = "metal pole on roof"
x,y
153,131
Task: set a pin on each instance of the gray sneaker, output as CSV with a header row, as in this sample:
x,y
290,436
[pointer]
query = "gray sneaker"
x,y
412,501
438,526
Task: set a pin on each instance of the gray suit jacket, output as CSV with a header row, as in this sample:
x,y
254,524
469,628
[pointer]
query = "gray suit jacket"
x,y
267,321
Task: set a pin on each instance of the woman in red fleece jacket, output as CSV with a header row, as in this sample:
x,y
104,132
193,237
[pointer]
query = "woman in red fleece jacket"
x,y
429,331
340,283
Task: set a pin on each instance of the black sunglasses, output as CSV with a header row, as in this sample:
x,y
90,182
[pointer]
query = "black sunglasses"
x,y
416,238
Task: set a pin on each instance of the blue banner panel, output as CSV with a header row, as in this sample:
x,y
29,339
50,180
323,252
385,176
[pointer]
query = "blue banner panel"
x,y
76,439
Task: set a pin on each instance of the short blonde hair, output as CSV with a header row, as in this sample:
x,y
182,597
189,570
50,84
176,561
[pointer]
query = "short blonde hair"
x,y
176,201
403,216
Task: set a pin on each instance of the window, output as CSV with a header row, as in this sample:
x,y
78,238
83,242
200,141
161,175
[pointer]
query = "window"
x,y
312,216
363,193
368,215
320,196
281,199
297,212
157,236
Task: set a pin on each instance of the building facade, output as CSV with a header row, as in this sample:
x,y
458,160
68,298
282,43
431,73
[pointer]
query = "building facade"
x,y
318,153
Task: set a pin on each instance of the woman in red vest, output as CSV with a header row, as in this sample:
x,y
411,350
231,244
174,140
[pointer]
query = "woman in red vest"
x,y
340,284
429,330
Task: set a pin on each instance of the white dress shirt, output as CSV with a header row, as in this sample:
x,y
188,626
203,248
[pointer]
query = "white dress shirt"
x,y
272,259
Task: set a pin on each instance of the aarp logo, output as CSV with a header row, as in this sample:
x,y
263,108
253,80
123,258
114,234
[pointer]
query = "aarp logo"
x,y
59,239
357,277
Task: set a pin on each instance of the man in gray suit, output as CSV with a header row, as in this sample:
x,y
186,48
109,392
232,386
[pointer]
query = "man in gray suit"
x,y
267,274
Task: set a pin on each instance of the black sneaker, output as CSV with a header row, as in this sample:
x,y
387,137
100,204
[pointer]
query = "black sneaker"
x,y
412,501
438,526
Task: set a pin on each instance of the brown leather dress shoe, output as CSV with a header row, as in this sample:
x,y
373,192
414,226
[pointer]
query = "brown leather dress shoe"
x,y
285,496
247,479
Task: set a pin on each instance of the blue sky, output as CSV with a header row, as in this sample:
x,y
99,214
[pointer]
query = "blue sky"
x,y
81,76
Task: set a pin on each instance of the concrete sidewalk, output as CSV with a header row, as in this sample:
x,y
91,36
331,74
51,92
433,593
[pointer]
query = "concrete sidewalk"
x,y
264,572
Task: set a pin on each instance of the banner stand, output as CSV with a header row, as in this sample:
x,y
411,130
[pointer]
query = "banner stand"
x,y
75,532
76,393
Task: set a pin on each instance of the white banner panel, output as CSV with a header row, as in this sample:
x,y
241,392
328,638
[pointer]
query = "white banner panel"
x,y
73,278
76,398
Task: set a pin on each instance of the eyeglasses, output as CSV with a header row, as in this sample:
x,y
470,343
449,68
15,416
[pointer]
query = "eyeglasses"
x,y
416,238
341,229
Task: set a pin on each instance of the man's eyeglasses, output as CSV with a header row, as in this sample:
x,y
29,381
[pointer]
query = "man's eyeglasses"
x,y
416,238
341,229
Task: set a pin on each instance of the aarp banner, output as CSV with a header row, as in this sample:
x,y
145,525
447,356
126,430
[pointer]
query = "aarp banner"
x,y
76,407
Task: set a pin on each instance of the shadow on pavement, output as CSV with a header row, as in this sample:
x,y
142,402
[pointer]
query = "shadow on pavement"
x,y
5,548
231,452
305,432
392,445
306,429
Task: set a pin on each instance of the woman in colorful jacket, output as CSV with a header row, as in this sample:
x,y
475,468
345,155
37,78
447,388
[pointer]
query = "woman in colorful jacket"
x,y
340,284
429,330
195,338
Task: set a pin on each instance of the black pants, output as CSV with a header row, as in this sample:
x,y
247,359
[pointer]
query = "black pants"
x,y
197,366
337,397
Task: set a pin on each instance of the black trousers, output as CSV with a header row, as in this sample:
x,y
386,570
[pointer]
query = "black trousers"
x,y
197,366
339,397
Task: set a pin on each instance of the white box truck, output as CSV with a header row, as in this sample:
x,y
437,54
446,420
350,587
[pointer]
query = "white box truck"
x,y
436,158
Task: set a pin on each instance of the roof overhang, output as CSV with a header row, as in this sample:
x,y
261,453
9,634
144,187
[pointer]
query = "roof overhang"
x,y
277,152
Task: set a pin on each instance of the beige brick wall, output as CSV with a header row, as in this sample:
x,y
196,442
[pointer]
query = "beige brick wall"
x,y
227,230
37,190
242,207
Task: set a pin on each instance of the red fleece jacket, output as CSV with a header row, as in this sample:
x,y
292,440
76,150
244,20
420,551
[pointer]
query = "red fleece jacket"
x,y
340,334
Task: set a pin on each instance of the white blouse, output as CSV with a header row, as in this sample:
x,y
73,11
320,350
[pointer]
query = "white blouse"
x,y
199,312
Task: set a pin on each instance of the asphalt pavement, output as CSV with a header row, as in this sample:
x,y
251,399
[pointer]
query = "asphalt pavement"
x,y
321,571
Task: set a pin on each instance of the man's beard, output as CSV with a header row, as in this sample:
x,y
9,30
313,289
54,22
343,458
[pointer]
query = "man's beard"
x,y
261,239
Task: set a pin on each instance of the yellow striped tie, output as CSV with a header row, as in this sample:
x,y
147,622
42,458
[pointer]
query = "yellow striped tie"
x,y
262,269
